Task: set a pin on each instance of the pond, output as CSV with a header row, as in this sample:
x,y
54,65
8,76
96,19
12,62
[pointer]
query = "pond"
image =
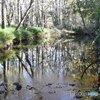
x,y
49,71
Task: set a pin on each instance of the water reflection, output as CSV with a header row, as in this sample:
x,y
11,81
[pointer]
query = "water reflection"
x,y
48,71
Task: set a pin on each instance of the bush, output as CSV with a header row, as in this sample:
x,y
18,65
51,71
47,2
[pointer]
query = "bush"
x,y
6,55
17,34
26,34
6,35
13,26
22,34
29,33
79,30
97,40
34,30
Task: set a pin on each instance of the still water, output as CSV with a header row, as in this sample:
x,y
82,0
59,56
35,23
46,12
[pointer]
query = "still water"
x,y
49,71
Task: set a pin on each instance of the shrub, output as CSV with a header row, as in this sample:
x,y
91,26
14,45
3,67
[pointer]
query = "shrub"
x,y
22,34
17,34
6,35
79,30
97,40
6,55
25,34
13,26
28,34
34,30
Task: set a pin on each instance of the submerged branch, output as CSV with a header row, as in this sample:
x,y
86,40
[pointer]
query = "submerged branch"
x,y
23,65
27,59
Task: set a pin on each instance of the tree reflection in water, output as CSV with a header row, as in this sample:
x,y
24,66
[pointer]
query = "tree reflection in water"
x,y
54,62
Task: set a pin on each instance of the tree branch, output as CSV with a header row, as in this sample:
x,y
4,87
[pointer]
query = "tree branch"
x,y
25,15
88,67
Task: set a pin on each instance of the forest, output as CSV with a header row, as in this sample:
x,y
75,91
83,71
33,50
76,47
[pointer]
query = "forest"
x,y
49,49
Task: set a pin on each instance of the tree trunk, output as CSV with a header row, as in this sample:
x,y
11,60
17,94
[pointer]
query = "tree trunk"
x,y
25,15
83,20
18,10
79,9
3,12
